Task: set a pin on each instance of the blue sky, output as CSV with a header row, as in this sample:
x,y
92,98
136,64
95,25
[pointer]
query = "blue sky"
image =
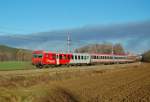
x,y
30,16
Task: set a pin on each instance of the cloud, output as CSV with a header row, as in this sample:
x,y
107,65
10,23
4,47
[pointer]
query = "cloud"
x,y
134,36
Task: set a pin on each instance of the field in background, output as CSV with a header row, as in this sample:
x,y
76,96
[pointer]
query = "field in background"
x,y
15,65
100,83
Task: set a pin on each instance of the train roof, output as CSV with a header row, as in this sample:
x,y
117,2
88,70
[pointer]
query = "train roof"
x,y
96,54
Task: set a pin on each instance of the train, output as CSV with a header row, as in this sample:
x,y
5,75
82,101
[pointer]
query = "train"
x,y
42,58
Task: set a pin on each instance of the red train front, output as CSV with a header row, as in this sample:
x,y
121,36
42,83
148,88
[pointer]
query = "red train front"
x,y
42,58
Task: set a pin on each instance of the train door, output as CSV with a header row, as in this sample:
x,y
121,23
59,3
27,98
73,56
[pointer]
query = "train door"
x,y
57,59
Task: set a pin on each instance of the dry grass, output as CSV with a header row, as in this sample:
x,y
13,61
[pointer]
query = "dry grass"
x,y
115,83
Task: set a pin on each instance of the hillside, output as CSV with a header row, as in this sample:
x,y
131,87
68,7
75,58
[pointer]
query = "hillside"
x,y
146,56
8,54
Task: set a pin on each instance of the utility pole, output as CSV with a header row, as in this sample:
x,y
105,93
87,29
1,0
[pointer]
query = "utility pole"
x,y
68,42
112,52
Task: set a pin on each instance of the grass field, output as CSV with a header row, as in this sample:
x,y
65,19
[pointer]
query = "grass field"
x,y
15,65
100,83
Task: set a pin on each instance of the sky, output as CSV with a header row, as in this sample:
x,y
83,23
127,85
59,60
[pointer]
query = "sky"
x,y
31,16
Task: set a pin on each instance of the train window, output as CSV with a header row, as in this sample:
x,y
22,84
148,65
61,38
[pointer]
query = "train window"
x,y
96,57
64,57
78,57
72,57
34,55
60,56
53,56
47,55
39,56
75,56
56,56
82,57
85,57
101,57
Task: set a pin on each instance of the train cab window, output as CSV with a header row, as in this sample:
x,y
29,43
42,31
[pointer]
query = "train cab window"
x,y
39,56
34,56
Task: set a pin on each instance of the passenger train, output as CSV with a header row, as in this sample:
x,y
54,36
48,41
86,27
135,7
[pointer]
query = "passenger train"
x,y
45,59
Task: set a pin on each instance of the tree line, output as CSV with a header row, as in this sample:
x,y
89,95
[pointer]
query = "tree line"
x,y
146,56
105,48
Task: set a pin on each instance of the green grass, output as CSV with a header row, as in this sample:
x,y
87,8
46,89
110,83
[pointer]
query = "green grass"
x,y
15,65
